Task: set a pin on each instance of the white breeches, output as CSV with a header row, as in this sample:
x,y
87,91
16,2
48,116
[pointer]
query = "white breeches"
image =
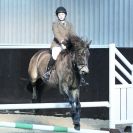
x,y
55,52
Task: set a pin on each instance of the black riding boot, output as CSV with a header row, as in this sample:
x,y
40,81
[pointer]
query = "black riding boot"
x,y
49,69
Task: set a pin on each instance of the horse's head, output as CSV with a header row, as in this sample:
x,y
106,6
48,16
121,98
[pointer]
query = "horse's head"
x,y
82,53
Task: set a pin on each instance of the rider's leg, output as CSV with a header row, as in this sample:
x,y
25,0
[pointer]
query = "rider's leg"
x,y
55,53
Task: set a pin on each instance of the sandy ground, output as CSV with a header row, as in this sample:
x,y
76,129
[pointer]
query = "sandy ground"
x,y
48,120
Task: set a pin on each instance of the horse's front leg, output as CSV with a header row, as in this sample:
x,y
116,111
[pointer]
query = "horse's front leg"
x,y
77,116
76,110
73,97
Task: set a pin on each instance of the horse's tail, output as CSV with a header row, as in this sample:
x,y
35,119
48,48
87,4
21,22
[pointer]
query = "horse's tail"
x,y
39,84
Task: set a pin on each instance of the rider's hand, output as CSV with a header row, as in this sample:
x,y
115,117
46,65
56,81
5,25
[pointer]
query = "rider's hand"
x,y
61,41
63,46
65,42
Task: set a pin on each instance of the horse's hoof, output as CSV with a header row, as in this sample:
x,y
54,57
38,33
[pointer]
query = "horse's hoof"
x,y
77,126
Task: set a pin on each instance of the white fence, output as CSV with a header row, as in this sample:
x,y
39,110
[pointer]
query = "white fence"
x,y
120,95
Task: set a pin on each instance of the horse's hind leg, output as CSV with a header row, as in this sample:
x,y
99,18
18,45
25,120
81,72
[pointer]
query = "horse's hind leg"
x,y
33,79
35,96
34,93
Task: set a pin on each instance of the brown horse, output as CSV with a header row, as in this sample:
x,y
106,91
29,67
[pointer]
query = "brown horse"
x,y
70,65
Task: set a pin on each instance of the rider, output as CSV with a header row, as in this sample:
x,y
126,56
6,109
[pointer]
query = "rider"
x,y
62,29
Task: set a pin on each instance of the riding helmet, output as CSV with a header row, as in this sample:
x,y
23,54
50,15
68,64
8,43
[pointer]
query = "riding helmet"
x,y
61,10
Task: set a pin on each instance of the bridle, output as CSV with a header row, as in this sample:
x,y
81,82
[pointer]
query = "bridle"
x,y
75,62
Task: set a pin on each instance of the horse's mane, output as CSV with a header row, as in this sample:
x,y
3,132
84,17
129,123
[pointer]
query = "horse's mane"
x,y
78,42
74,44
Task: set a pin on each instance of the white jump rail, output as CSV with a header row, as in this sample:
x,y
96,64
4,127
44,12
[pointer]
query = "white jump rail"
x,y
51,105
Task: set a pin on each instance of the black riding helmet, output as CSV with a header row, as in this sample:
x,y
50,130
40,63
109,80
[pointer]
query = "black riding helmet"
x,y
61,10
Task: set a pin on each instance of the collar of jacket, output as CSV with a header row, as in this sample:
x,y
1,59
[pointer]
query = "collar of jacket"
x,y
64,24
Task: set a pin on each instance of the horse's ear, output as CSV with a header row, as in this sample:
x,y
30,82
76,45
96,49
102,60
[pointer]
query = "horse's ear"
x,y
88,45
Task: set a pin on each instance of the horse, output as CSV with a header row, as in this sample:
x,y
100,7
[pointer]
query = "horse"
x,y
71,63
